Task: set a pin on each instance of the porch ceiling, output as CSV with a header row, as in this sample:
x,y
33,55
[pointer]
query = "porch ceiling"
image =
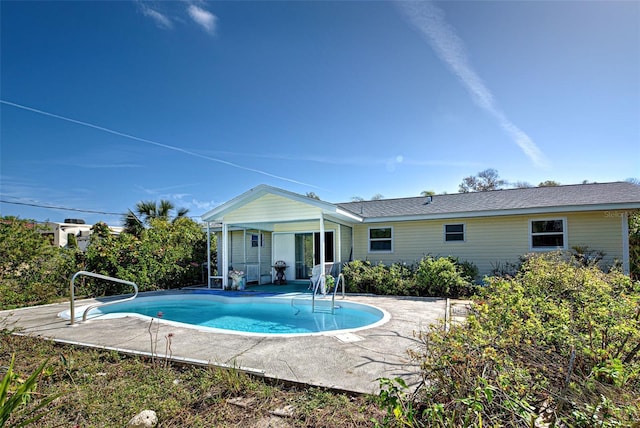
x,y
269,226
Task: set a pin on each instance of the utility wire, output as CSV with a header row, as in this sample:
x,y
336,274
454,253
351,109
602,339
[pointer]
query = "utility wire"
x,y
60,208
73,209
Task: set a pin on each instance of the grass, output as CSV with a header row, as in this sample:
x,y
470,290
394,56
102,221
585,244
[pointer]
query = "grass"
x,y
104,388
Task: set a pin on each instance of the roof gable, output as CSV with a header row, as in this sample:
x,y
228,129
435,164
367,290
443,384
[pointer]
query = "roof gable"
x,y
273,203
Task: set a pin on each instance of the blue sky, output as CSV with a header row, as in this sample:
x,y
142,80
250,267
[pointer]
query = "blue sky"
x,y
104,104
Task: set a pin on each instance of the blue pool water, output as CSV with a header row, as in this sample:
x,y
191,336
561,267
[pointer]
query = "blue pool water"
x,y
271,315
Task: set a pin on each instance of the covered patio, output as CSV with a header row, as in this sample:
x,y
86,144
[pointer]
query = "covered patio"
x,y
267,225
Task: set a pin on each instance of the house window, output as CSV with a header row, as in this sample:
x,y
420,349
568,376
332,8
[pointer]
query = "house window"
x,y
548,234
381,240
453,232
255,238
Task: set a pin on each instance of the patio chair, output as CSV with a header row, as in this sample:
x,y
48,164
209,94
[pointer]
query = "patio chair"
x,y
316,276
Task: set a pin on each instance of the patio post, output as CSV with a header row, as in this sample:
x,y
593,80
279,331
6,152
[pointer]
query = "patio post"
x,y
225,255
322,243
208,255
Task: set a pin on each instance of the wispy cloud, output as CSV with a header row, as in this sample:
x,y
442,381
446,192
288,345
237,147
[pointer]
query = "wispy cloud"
x,y
180,200
160,19
195,10
156,144
203,18
108,166
429,20
364,161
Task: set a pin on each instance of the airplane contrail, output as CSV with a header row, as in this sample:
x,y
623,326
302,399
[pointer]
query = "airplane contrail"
x,y
429,20
154,143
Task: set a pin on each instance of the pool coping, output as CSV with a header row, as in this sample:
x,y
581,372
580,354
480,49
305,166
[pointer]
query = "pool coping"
x,y
348,361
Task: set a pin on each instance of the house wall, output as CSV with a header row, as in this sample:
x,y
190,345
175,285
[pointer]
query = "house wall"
x,y
489,242
342,235
242,253
346,243
274,208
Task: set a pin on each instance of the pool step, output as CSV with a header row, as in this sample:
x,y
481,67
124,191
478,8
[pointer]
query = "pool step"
x,y
327,308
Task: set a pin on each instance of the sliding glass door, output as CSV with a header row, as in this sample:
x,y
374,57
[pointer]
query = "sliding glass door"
x,y
307,250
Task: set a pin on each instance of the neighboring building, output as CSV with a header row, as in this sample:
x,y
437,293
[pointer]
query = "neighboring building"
x,y
59,233
490,229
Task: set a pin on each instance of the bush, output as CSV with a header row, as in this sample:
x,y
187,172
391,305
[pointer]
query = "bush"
x,y
634,244
440,277
559,343
32,271
167,255
363,277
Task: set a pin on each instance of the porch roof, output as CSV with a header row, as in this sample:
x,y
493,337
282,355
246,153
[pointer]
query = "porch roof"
x,y
265,219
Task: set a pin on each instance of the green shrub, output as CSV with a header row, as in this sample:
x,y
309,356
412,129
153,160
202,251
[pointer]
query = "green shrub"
x,y
166,255
32,271
559,342
634,244
433,277
442,277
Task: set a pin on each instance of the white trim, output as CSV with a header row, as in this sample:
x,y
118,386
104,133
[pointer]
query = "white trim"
x,y
503,212
369,251
565,234
464,233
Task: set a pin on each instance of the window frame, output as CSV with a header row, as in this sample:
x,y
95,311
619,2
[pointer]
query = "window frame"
x,y
446,234
564,233
259,241
370,240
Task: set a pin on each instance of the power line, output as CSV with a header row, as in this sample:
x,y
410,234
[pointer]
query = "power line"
x,y
73,209
60,208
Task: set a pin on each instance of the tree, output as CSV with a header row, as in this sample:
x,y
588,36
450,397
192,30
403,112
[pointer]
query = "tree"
x,y
357,199
146,211
427,193
521,185
312,195
549,183
377,197
166,255
32,271
485,180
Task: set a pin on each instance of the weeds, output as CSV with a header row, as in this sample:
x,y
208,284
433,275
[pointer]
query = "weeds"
x,y
15,394
153,338
107,389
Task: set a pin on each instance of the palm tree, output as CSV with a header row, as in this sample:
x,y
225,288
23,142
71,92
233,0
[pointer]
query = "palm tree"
x,y
146,211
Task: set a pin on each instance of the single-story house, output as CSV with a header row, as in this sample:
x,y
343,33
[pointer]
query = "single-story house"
x,y
268,224
60,233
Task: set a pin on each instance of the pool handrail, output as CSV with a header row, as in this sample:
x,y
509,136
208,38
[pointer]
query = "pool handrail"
x,y
340,280
98,276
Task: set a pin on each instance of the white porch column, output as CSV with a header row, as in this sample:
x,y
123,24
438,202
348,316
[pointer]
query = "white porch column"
x,y
259,256
208,255
225,255
322,243
626,269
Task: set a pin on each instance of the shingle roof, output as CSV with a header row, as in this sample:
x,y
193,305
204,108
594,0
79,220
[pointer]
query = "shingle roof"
x,y
580,197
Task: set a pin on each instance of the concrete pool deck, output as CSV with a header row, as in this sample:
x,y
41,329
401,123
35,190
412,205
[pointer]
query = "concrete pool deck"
x,y
343,361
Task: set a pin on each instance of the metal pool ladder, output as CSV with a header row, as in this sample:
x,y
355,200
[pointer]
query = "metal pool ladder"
x,y
339,281
95,275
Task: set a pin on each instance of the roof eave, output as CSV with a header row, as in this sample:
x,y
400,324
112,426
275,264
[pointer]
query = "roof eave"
x,y
506,212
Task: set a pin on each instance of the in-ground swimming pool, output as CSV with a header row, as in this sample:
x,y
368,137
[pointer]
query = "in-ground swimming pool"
x,y
254,315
